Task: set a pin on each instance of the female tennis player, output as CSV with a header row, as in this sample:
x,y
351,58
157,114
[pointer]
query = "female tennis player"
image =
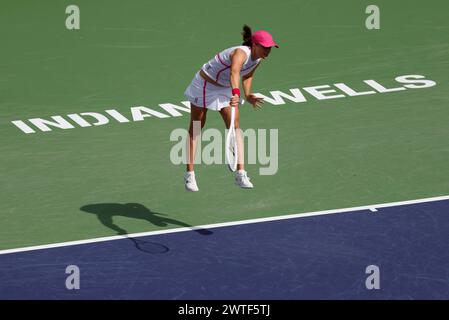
x,y
216,87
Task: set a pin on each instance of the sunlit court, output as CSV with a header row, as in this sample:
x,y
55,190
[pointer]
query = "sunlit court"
x,y
257,150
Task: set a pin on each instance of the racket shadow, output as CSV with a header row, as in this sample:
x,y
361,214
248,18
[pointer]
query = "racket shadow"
x,y
105,213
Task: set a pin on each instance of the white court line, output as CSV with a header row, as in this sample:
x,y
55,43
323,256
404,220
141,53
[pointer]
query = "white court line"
x,y
225,224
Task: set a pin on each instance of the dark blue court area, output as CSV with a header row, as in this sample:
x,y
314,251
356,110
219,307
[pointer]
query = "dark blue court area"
x,y
319,257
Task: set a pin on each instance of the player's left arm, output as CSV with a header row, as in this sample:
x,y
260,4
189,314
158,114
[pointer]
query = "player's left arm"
x,y
247,83
238,58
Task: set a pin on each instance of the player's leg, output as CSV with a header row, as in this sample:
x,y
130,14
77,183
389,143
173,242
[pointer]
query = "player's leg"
x,y
197,121
226,115
241,178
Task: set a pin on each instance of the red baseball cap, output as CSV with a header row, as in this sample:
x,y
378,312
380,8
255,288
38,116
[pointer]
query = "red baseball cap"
x,y
263,38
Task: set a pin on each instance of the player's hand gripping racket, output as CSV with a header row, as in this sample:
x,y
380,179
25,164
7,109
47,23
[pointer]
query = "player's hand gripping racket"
x,y
231,144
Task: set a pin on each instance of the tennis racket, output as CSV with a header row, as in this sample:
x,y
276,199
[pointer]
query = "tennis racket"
x,y
231,144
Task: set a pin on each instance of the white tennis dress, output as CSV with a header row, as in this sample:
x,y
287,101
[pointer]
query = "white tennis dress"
x,y
207,95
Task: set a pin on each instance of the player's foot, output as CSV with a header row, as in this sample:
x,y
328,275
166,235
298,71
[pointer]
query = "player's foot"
x,y
242,180
190,181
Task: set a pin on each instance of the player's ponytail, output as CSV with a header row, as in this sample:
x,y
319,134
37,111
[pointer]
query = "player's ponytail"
x,y
247,36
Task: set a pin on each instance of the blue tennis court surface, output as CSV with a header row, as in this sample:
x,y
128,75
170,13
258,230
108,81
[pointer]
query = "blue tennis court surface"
x,y
316,257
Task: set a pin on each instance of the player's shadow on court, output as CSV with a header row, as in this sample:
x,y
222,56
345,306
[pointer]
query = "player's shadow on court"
x,y
106,211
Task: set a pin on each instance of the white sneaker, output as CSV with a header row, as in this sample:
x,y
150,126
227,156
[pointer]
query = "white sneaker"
x,y
190,181
242,180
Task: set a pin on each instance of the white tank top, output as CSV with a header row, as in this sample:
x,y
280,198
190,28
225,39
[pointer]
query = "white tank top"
x,y
219,67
